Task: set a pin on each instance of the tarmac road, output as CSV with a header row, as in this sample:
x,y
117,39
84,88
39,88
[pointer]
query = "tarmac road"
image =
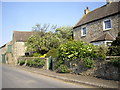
x,y
16,78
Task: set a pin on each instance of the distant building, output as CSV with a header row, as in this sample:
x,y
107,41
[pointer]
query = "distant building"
x,y
100,26
16,48
6,53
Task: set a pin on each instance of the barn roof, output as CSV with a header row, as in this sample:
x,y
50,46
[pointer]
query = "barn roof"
x,y
21,36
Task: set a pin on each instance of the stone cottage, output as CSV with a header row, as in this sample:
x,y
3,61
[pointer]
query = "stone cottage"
x,y
16,48
100,26
6,53
18,43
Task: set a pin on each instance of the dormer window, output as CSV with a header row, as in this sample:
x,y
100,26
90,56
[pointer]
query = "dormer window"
x,y
83,31
107,24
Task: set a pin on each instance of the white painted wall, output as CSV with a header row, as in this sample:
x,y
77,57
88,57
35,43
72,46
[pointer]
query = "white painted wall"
x,y
101,43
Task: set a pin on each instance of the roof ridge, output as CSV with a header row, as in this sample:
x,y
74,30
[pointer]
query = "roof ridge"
x,y
98,8
22,31
89,13
99,13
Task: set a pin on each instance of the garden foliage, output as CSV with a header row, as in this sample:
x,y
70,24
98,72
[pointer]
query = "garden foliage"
x,y
53,53
63,69
22,62
33,62
115,62
75,49
78,50
114,49
43,39
88,62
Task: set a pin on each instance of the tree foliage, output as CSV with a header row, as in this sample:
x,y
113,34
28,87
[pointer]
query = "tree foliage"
x,y
66,32
75,49
114,49
43,39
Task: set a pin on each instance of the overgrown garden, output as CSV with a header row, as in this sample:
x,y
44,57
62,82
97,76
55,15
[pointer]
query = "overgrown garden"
x,y
58,42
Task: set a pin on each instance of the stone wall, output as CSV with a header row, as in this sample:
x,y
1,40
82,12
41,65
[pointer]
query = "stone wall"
x,y
102,69
95,29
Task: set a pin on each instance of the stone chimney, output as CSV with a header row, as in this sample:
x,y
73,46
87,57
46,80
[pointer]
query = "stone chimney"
x,y
109,1
86,11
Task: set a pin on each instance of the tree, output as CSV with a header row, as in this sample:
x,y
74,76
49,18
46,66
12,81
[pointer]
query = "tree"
x,y
114,49
66,32
43,39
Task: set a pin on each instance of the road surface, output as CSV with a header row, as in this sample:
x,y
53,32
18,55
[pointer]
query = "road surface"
x,y
13,77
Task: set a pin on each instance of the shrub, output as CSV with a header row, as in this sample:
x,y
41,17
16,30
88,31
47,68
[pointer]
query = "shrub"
x,y
63,69
115,62
76,49
58,62
114,49
88,62
40,62
53,53
36,54
29,62
22,62
36,63
101,51
73,50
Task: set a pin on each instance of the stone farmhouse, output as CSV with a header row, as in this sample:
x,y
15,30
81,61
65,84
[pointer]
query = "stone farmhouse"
x,y
16,48
100,26
6,53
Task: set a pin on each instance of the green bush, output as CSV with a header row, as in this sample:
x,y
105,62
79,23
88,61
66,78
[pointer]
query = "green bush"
x,y
39,62
22,62
36,54
89,63
63,69
115,62
73,50
76,49
36,63
53,53
58,62
29,62
114,49
101,51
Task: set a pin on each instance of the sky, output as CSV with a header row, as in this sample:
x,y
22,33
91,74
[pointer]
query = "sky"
x,y
22,16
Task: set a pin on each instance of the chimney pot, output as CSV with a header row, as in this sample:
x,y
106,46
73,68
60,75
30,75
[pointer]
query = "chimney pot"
x,y
86,11
109,1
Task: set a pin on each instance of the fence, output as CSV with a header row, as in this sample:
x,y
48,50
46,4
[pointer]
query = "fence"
x,y
111,57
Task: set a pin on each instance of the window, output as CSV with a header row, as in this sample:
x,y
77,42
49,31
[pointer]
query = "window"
x,y
9,49
107,24
83,31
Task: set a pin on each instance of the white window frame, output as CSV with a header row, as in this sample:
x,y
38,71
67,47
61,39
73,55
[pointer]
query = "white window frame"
x,y
108,42
82,31
104,29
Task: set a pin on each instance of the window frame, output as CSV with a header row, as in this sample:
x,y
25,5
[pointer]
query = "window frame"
x,y
82,31
104,29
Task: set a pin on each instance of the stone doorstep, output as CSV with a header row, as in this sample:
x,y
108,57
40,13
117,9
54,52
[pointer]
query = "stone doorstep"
x,y
106,84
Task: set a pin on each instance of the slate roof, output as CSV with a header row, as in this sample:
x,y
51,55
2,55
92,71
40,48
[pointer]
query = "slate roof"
x,y
104,37
104,11
21,36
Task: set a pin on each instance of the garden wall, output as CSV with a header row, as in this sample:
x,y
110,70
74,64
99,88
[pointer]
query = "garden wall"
x,y
102,69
